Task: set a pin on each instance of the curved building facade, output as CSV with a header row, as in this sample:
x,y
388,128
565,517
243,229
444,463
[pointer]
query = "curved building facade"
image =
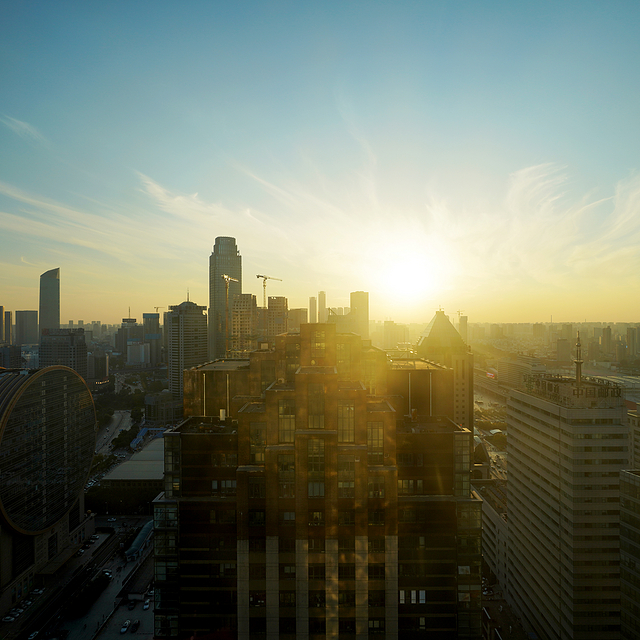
x,y
47,440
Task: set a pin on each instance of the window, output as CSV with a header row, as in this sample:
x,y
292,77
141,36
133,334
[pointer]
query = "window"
x,y
257,571
346,421
346,598
376,571
287,517
257,598
376,598
376,545
343,360
315,459
256,517
257,487
318,344
287,571
346,571
346,517
222,516
346,544
286,419
267,373
316,571
376,486
292,359
286,475
375,442
257,442
376,627
410,487
316,489
228,487
316,405
286,545
316,545
317,598
376,516
346,476
287,598
316,518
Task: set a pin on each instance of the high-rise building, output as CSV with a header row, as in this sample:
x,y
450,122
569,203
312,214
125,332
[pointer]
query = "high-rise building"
x,y
630,554
606,341
441,343
245,325
296,318
359,313
568,441
320,509
563,350
313,310
632,343
7,327
323,312
224,260
50,300
277,316
26,327
66,347
47,440
187,338
1,324
152,337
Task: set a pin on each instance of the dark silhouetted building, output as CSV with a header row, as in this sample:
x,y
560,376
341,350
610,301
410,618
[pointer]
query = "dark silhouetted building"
x,y
630,554
47,440
66,347
224,260
319,509
26,328
187,337
50,300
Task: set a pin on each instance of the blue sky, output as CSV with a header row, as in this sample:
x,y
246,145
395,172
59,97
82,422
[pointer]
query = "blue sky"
x,y
476,156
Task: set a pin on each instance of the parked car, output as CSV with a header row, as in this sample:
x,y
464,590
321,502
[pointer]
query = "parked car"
x,y
111,519
132,605
125,626
147,604
8,619
135,625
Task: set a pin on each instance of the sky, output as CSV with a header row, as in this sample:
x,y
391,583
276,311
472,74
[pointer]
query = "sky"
x,y
480,157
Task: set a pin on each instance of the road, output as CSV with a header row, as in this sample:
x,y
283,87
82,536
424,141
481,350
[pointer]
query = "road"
x,y
121,420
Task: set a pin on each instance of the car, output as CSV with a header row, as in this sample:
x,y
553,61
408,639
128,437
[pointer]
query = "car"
x,y
8,619
79,552
135,625
33,636
125,625
147,604
132,605
39,591
95,537
112,520
16,611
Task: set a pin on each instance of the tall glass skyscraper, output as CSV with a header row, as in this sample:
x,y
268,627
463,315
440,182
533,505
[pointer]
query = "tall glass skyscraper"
x,y
50,300
225,260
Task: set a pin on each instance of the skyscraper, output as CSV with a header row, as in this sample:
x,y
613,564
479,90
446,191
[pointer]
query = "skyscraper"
x,y
313,310
224,260
50,300
567,444
152,336
360,313
322,306
7,327
66,347
187,338
1,324
26,327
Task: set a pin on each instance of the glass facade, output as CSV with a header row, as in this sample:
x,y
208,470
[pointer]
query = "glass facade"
x,y
47,440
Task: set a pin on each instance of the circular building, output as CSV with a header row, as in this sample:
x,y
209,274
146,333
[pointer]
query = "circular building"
x,y
47,440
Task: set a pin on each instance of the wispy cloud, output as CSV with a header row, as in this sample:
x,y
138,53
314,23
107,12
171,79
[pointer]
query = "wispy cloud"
x,y
23,129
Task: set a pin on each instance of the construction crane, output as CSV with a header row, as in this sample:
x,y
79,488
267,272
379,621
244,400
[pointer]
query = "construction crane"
x,y
156,308
227,279
264,288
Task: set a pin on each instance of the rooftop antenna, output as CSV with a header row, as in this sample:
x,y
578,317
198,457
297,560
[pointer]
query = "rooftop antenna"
x,y
187,294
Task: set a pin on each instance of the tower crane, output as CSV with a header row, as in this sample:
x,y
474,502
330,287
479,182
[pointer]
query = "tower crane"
x,y
227,279
156,308
264,287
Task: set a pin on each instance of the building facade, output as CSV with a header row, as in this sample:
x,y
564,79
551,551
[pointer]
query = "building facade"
x,y
224,260
319,510
66,347
187,337
50,300
567,443
26,328
47,440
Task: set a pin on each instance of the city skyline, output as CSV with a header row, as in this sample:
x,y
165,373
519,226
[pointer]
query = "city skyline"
x,y
478,158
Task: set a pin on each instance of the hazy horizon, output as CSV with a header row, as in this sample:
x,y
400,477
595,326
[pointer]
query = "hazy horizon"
x,y
474,157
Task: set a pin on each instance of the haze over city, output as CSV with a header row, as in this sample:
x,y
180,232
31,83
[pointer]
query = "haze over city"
x,y
468,156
